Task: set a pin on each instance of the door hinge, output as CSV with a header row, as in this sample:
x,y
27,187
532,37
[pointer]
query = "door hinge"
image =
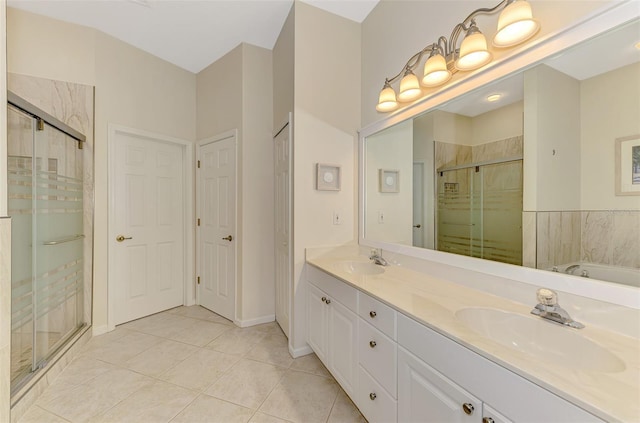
x,y
198,280
198,221
40,125
198,164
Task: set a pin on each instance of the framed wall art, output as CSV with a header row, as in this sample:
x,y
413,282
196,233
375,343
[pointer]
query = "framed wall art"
x,y
327,177
628,165
389,180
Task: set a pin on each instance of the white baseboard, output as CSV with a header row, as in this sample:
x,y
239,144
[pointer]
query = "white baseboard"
x,y
257,321
99,330
299,352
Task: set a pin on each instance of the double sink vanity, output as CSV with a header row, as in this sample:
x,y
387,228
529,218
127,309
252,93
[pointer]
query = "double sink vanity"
x,y
416,341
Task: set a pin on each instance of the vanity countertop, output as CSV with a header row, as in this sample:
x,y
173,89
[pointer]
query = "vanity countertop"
x,y
613,396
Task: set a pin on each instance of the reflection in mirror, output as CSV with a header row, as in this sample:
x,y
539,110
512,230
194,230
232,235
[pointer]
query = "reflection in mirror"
x,y
523,170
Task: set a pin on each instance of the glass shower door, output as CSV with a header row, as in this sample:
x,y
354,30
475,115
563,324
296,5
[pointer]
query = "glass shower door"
x,y
45,173
58,234
21,128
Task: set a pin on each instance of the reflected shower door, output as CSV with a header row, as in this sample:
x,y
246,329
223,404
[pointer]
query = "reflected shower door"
x,y
479,211
502,212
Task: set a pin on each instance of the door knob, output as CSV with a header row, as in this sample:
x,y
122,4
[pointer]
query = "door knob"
x,y
121,238
417,226
228,238
372,344
468,408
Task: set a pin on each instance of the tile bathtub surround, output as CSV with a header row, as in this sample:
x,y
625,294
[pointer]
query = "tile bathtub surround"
x,y
155,370
610,237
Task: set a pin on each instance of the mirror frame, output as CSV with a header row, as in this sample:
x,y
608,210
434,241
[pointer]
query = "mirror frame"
x,y
531,54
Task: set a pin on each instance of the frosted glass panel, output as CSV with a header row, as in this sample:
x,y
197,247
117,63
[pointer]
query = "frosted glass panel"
x,y
46,204
480,212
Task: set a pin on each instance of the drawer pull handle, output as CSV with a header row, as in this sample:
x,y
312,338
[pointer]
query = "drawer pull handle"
x,y
372,396
372,344
468,408
373,314
488,420
323,299
328,301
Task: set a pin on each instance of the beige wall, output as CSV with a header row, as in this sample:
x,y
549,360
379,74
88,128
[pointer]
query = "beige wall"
x,y
327,117
391,149
610,109
132,88
49,48
505,122
551,172
219,96
258,267
236,92
396,29
283,57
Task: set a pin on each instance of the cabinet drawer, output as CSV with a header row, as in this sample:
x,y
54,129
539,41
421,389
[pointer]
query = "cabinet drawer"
x,y
378,314
336,288
375,403
377,354
496,385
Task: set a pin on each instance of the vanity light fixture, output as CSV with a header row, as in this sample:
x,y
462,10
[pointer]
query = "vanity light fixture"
x,y
637,45
494,97
515,26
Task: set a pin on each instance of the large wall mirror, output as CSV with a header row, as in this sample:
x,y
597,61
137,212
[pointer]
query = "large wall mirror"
x,y
540,168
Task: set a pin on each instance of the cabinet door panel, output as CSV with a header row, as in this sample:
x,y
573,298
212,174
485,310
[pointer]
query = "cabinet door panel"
x,y
489,415
425,395
343,358
317,320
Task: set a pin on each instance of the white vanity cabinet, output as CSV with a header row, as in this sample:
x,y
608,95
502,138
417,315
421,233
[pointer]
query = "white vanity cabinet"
x,y
333,326
377,355
464,376
425,395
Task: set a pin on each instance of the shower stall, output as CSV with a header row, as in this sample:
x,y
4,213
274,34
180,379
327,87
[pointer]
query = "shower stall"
x,y
45,197
479,210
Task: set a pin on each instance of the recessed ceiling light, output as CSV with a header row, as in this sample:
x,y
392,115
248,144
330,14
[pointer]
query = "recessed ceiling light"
x,y
494,97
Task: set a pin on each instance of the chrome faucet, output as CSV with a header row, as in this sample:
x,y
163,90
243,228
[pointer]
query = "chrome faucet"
x,y
376,256
548,308
569,270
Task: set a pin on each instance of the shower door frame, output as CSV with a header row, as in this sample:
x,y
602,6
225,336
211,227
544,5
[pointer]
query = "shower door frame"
x,y
40,367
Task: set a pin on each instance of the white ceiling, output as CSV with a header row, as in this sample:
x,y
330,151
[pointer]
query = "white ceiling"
x,y
191,34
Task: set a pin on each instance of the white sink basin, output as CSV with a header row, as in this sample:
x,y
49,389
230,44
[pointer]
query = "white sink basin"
x,y
360,268
544,341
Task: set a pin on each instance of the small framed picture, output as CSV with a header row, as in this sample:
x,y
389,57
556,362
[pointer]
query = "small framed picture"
x,y
628,165
389,180
327,177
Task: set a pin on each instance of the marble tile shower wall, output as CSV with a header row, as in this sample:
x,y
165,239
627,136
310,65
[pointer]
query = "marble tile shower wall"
x,y
72,104
448,155
610,237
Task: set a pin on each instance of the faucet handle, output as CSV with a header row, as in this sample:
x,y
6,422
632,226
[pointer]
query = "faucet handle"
x,y
547,297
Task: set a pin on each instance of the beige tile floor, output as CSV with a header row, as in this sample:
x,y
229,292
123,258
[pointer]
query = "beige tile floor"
x,y
189,365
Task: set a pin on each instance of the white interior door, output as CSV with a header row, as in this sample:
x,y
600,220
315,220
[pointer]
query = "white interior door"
x,y
418,204
216,181
147,237
283,241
